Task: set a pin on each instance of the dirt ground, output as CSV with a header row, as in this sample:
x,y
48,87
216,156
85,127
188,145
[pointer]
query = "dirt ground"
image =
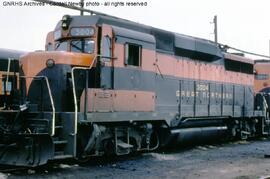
x,y
239,160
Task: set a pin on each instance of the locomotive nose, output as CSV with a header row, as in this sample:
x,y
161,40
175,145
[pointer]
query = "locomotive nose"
x,y
37,64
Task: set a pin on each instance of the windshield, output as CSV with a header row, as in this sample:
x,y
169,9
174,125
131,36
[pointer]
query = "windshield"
x,y
61,46
85,46
80,45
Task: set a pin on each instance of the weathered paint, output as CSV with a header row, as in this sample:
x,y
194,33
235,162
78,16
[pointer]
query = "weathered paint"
x,y
101,100
262,68
181,67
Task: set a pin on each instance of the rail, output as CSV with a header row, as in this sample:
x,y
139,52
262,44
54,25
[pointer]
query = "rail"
x,y
51,99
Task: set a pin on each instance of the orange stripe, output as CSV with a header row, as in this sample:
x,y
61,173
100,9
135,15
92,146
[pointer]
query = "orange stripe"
x,y
183,68
112,100
262,68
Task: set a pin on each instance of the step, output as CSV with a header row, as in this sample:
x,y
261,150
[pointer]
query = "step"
x,y
61,155
40,120
59,127
59,142
58,153
38,125
123,145
58,157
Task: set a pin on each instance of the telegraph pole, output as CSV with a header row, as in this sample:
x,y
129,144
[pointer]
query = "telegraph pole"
x,y
215,29
82,6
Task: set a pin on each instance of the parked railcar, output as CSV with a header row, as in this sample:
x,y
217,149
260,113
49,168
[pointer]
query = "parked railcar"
x,y
113,86
262,79
9,73
261,85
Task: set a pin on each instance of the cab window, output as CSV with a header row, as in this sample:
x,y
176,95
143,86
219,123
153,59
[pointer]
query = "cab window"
x,y
82,45
132,54
61,46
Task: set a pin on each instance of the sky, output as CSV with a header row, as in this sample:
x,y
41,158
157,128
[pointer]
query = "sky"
x,y
243,24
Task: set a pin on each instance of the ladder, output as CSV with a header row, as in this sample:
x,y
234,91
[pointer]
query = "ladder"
x,y
122,143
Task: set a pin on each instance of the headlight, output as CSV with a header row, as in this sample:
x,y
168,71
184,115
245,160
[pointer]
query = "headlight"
x,y
87,31
50,63
66,22
66,18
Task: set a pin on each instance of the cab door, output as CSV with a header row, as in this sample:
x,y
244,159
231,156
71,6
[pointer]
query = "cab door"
x,y
105,61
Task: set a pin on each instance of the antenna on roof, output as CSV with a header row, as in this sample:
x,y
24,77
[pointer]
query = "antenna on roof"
x,y
82,6
215,28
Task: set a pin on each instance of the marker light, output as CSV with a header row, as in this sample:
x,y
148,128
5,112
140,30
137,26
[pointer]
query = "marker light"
x,y
86,31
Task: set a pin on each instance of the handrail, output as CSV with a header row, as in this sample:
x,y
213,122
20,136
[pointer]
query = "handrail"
x,y
6,84
74,89
51,99
8,71
265,107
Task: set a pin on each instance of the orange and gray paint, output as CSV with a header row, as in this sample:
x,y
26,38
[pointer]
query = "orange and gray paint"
x,y
178,76
148,88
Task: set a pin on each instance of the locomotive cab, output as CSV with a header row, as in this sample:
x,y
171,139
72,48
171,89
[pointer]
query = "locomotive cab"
x,y
67,47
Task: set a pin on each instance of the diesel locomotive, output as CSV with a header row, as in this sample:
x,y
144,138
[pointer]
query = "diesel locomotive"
x,y
109,86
